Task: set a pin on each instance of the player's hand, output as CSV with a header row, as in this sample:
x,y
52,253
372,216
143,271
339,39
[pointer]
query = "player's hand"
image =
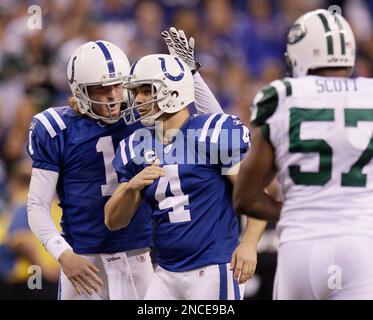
x,y
146,177
81,273
244,259
180,47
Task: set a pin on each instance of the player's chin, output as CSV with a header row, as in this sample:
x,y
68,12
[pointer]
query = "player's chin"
x,y
143,112
146,113
114,115
114,112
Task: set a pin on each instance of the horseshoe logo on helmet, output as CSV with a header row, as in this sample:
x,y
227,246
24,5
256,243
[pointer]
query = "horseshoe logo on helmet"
x,y
169,76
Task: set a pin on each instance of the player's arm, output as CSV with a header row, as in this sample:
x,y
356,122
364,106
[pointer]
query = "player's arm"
x,y
179,46
80,272
126,199
244,257
205,101
121,207
41,192
255,227
45,153
256,171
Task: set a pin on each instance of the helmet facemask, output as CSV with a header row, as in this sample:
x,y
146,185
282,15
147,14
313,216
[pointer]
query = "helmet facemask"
x,y
134,111
86,104
170,88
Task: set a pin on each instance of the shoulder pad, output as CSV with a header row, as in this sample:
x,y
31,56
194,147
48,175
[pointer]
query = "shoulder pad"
x,y
51,121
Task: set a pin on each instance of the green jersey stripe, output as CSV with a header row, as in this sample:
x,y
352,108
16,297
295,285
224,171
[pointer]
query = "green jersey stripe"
x,y
288,87
267,105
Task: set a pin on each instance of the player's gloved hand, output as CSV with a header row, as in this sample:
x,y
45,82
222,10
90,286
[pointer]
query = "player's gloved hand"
x,y
146,176
180,47
244,259
80,272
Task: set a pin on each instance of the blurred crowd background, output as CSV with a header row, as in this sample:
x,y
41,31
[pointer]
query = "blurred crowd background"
x,y
240,44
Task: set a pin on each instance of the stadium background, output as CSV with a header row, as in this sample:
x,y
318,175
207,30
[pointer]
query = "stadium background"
x,y
239,43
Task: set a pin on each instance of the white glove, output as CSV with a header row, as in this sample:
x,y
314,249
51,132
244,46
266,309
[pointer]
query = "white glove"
x,y
178,46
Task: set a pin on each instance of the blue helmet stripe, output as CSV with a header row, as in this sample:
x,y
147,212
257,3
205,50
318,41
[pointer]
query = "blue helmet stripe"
x,y
133,67
72,71
108,57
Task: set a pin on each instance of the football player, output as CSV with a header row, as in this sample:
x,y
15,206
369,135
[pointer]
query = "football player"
x,y
314,130
72,149
180,167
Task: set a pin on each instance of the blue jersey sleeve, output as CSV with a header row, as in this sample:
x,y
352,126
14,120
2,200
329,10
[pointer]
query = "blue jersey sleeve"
x,y
44,146
125,168
233,142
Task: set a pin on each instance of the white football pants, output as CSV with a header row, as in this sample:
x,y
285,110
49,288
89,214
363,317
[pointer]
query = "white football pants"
x,y
325,268
214,282
126,276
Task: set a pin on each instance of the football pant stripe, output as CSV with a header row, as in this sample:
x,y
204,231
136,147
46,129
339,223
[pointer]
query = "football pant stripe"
x,y
236,288
223,282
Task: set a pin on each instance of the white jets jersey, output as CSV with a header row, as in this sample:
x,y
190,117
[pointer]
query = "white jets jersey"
x,y
321,129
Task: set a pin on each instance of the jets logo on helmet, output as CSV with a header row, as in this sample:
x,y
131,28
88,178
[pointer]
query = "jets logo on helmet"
x,y
296,33
319,39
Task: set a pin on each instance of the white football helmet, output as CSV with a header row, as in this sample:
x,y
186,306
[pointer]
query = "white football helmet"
x,y
319,39
96,63
171,83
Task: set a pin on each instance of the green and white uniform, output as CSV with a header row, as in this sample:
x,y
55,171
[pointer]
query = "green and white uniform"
x,y
321,130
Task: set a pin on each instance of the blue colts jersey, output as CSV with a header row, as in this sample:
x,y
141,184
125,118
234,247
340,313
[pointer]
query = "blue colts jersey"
x,y
81,150
195,224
